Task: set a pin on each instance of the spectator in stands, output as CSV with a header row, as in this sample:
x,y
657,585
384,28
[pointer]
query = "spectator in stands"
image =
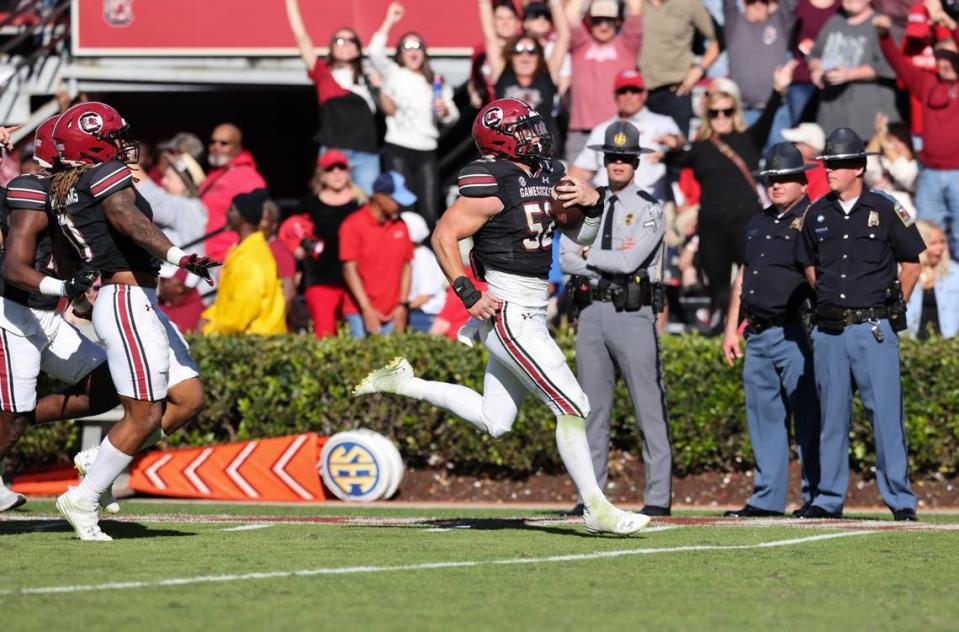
x,y
285,262
427,282
809,18
250,297
314,238
538,23
607,43
630,106
846,65
935,309
234,172
667,60
416,102
376,252
500,18
810,140
723,156
895,169
183,218
347,107
757,39
937,190
522,71
917,45
898,12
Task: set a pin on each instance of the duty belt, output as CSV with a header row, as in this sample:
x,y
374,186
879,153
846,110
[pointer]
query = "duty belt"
x,y
605,293
762,324
840,318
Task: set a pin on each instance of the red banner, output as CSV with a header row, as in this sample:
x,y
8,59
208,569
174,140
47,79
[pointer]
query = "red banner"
x,y
257,27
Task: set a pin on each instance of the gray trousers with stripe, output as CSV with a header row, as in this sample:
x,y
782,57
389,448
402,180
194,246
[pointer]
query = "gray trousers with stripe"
x,y
608,340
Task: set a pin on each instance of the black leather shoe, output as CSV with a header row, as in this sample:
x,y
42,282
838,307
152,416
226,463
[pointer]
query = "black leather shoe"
x,y
905,514
748,511
577,510
653,510
799,513
815,512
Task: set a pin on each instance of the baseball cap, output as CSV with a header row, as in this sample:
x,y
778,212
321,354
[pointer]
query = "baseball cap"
x,y
809,133
628,79
604,9
393,184
416,225
250,205
331,158
919,26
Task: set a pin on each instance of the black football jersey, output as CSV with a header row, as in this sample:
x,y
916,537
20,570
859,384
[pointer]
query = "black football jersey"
x,y
519,239
28,193
86,227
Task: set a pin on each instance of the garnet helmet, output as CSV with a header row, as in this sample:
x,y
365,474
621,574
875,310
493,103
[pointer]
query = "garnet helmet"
x,y
44,149
512,129
91,133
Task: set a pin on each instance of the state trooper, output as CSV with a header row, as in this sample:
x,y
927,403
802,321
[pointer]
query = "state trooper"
x,y
770,291
860,249
616,286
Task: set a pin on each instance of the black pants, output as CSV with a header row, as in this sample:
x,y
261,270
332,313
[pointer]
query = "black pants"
x,y
722,242
422,177
663,100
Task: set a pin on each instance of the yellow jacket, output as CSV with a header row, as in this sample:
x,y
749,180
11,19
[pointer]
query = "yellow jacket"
x,y
250,297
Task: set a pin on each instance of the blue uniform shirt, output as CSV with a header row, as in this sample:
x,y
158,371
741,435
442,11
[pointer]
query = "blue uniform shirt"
x,y
856,255
773,283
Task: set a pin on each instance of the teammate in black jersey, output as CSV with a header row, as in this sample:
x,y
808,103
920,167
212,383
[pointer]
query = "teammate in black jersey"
x,y
33,335
109,224
506,207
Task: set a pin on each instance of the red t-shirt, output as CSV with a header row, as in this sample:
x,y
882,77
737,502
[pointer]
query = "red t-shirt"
x,y
818,185
380,251
285,263
453,310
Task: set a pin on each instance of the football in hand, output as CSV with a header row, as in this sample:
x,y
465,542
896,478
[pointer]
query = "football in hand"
x,y
565,217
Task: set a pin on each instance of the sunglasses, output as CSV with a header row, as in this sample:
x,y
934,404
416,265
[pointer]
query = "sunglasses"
x,y
336,167
601,21
412,45
218,141
833,165
725,112
343,41
628,159
519,49
631,90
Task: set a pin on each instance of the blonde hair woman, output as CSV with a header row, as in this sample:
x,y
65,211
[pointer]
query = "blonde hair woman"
x,y
722,157
935,309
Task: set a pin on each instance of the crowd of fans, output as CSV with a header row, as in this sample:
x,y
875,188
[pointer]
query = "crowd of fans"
x,y
709,84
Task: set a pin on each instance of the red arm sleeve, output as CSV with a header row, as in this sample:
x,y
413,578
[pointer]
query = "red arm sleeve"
x,y
914,78
326,86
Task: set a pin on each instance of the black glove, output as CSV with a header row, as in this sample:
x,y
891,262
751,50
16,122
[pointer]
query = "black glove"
x,y
596,210
313,247
79,283
199,266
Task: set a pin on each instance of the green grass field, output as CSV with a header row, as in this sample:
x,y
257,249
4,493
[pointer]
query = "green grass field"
x,y
254,567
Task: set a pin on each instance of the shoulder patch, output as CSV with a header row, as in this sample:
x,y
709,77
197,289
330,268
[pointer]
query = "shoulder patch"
x,y
900,210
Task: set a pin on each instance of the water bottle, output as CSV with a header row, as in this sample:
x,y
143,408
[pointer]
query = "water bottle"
x,y
437,93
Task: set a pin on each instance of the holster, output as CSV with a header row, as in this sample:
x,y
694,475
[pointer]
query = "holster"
x,y
579,291
896,306
830,319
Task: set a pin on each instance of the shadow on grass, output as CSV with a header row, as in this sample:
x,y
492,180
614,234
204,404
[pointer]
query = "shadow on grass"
x,y
498,524
116,530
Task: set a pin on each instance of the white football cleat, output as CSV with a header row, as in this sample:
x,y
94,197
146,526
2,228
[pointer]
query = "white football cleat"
x,y
83,461
10,499
386,379
609,519
82,516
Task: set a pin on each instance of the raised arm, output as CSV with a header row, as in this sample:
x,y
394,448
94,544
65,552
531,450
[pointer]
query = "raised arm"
x,y
303,40
494,48
561,44
377,48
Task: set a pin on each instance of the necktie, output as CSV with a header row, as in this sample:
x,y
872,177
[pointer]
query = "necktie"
x,y
607,243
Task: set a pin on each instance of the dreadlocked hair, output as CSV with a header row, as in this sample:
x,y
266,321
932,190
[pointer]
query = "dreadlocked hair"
x,y
62,182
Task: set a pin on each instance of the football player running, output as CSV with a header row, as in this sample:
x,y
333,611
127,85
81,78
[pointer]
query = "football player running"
x,y
505,206
109,224
33,335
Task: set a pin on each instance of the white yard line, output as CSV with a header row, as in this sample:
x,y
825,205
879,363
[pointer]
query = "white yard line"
x,y
249,527
355,570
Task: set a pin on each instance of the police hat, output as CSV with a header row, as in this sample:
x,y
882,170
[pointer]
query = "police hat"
x,y
844,144
783,159
622,137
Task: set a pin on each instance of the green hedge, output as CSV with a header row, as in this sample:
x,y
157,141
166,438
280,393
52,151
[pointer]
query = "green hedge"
x,y
260,387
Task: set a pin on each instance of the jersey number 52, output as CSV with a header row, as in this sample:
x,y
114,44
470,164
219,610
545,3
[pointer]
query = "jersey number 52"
x,y
540,228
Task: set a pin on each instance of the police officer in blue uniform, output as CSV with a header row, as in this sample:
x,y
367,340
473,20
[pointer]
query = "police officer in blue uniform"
x,y
860,249
770,291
